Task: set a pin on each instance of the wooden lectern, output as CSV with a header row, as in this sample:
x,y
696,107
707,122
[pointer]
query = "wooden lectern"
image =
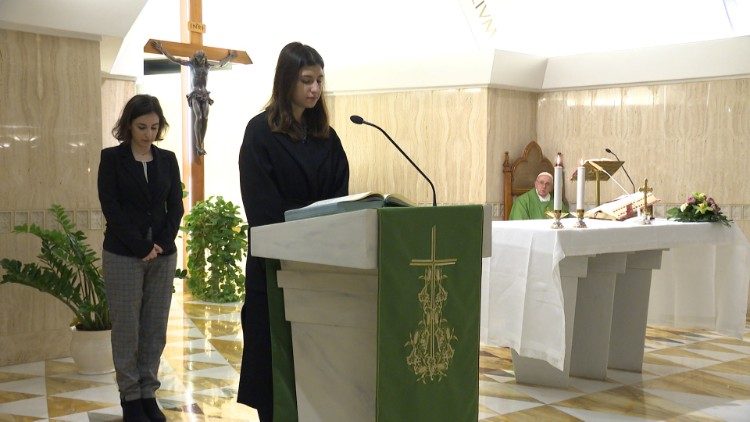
x,y
599,170
332,279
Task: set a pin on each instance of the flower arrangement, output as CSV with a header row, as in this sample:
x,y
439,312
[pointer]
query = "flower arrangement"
x,y
698,208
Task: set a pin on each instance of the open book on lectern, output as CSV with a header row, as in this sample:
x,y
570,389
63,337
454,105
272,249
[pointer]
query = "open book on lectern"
x,y
622,208
355,202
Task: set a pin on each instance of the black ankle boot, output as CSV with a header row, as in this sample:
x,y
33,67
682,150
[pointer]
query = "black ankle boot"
x,y
151,409
132,411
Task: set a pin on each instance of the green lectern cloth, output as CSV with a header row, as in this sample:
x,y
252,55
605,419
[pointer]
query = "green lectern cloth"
x,y
282,358
428,313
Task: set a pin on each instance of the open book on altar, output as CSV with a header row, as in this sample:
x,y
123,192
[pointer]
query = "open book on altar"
x,y
622,208
355,202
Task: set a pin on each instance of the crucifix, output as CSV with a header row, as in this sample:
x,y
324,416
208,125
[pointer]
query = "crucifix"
x,y
198,99
646,207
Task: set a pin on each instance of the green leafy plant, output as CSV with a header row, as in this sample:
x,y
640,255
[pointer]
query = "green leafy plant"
x,y
698,208
67,269
216,243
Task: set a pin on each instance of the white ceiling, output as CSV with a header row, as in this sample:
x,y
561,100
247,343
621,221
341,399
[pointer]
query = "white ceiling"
x,y
91,18
545,28
562,27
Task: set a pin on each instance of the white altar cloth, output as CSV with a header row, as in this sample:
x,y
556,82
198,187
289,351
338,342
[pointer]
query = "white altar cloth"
x,y
703,281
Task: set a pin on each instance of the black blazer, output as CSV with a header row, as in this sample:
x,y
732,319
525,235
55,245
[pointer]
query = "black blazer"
x,y
131,205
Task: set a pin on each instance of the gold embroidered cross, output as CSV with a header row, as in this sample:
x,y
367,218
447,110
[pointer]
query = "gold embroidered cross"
x,y
432,352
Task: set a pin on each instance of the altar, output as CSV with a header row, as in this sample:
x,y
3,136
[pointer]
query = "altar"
x,y
575,302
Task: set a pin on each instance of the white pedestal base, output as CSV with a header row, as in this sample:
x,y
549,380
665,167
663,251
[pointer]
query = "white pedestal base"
x,y
606,307
333,313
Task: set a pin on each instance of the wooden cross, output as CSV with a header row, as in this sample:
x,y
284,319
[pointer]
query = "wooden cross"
x,y
196,30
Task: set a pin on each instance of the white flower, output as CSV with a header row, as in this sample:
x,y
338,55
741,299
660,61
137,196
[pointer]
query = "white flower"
x,y
683,207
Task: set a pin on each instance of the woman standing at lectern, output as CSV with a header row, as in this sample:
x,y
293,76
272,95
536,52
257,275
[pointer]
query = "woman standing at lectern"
x,y
290,157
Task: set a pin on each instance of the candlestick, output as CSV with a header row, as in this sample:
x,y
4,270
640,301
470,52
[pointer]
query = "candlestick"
x,y
580,224
556,216
556,224
558,183
581,186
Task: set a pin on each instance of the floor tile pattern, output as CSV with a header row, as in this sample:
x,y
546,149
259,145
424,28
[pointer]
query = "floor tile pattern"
x,y
693,375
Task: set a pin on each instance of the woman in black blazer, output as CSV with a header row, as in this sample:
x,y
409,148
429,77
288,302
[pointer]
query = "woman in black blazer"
x,y
141,198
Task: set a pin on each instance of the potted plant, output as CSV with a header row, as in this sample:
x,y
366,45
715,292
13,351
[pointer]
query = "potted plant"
x,y
216,244
68,270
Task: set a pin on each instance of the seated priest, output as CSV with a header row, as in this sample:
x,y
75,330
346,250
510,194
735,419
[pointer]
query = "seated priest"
x,y
534,204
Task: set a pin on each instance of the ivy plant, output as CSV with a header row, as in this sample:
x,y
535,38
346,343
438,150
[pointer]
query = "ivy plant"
x,y
216,245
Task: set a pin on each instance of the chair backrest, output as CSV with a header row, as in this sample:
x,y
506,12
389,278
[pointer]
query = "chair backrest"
x,y
519,176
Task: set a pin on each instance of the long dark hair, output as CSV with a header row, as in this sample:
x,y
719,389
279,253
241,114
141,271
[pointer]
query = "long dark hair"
x,y
136,107
293,57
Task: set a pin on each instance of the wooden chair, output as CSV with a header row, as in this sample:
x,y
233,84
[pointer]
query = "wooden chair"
x,y
519,177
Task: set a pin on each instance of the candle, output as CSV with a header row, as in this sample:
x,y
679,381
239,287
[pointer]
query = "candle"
x,y
581,186
558,183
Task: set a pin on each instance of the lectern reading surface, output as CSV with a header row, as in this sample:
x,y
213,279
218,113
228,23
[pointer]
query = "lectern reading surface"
x,y
599,169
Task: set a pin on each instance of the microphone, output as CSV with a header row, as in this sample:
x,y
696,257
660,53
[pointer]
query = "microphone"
x,y
623,167
357,120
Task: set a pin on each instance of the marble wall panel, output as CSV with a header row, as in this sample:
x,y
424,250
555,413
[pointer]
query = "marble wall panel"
x,y
548,125
35,346
51,124
50,138
443,130
116,91
512,125
5,222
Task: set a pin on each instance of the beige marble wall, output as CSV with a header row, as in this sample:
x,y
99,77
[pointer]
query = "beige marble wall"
x,y
443,130
116,91
682,137
50,137
457,137
512,125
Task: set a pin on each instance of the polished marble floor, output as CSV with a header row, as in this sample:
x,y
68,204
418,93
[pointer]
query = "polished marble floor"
x,y
687,375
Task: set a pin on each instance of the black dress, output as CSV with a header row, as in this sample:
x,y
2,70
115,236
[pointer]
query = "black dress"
x,y
277,173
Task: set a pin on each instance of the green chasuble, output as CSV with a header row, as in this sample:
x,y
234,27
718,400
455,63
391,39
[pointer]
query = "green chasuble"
x,y
529,207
